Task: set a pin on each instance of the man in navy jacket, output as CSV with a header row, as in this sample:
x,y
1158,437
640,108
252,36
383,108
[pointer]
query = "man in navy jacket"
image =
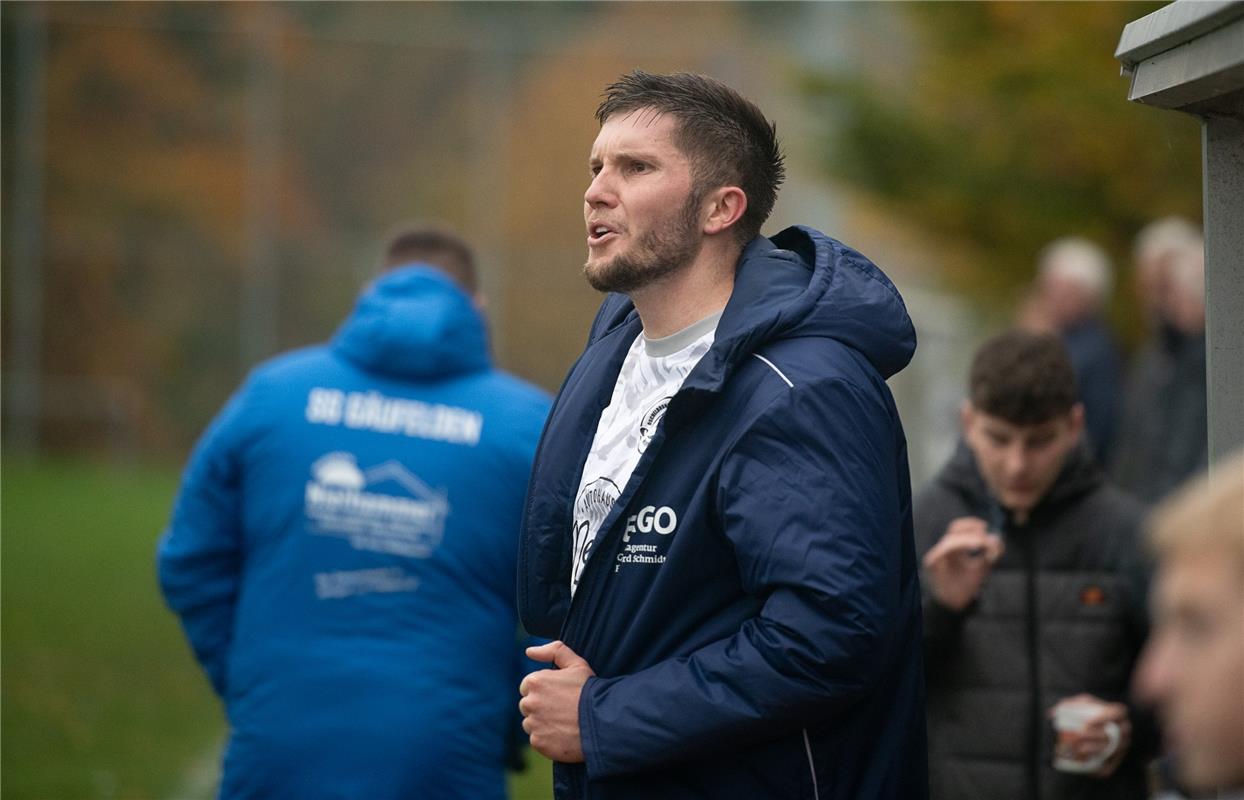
x,y
345,542
718,528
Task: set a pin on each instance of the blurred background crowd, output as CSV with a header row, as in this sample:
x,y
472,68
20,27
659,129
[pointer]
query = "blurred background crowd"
x,y
191,188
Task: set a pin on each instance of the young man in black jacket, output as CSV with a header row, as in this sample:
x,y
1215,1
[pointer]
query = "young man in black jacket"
x,y
1034,601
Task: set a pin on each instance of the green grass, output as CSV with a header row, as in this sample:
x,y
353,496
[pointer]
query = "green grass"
x,y
100,697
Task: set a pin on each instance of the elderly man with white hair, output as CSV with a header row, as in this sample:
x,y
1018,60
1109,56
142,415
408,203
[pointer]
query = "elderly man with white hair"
x,y
1073,286
1163,433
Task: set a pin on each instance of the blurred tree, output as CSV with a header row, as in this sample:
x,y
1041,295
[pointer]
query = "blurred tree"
x,y
220,177
1003,126
148,150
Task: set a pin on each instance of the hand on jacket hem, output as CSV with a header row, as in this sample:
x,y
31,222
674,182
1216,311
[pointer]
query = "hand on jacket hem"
x,y
550,703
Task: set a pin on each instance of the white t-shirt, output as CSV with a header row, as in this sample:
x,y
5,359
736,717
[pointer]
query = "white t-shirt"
x,y
651,375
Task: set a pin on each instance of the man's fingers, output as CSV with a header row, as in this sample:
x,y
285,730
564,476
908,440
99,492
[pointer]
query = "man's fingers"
x,y
564,657
967,524
543,653
963,543
556,653
994,548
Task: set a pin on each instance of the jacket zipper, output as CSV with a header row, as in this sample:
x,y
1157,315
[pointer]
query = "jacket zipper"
x,y
1034,681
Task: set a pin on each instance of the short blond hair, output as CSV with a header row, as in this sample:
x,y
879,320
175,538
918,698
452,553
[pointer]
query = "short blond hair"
x,y
1207,512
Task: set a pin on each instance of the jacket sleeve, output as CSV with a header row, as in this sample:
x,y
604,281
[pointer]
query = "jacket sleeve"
x,y
811,499
199,558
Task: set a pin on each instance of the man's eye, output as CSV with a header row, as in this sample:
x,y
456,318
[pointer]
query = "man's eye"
x,y
639,166
1193,628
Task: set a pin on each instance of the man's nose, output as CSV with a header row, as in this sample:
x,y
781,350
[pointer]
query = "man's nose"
x,y
600,190
1151,681
1016,460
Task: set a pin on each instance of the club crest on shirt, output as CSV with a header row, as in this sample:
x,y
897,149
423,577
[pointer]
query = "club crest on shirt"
x,y
590,509
650,420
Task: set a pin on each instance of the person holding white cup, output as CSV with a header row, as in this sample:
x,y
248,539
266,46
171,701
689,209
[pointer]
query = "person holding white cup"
x,y
1091,735
1034,607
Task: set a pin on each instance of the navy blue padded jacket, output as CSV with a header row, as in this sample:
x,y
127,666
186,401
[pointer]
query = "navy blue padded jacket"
x,y
751,607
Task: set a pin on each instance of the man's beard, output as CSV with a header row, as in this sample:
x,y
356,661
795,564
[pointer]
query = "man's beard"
x,y
656,254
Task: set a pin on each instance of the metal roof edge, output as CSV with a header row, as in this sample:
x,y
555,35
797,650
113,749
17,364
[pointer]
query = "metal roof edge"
x,y
1173,25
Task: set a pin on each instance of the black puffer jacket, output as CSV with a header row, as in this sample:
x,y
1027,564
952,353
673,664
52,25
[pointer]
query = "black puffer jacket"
x,y
1162,438
1062,612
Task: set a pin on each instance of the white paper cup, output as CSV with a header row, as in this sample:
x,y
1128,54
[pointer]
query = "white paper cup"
x,y
1070,720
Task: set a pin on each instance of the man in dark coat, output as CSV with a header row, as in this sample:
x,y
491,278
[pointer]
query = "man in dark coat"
x,y
1033,596
1163,436
1070,297
718,527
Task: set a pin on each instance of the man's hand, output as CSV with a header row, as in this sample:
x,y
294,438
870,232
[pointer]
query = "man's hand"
x,y
1094,739
550,703
960,561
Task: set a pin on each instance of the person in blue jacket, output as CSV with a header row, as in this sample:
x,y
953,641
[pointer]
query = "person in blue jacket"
x,y
342,551
718,529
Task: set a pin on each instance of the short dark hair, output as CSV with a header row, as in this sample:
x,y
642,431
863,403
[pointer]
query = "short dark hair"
x,y
726,136
1023,377
435,247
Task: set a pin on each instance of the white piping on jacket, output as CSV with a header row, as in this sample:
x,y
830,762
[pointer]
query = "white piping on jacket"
x,y
775,369
807,745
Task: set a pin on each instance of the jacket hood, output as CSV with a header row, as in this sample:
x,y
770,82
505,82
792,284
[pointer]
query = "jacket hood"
x,y
1079,474
801,283
414,322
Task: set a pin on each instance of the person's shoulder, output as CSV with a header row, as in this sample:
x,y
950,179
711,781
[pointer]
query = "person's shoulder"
x,y
936,492
1116,518
935,504
1120,505
516,389
819,360
284,366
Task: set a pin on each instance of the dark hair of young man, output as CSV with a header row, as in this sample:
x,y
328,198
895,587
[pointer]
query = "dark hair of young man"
x,y
437,248
1022,377
726,136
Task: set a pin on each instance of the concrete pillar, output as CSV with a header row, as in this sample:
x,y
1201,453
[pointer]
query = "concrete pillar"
x,y
1223,155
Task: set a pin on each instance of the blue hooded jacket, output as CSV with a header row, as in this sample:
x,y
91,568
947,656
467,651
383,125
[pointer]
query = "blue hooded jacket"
x,y
751,607
342,555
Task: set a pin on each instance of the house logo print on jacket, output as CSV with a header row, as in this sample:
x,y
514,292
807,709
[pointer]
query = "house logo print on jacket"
x,y
408,524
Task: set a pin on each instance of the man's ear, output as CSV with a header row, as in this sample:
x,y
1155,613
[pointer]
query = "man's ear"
x,y
1076,417
728,205
967,413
